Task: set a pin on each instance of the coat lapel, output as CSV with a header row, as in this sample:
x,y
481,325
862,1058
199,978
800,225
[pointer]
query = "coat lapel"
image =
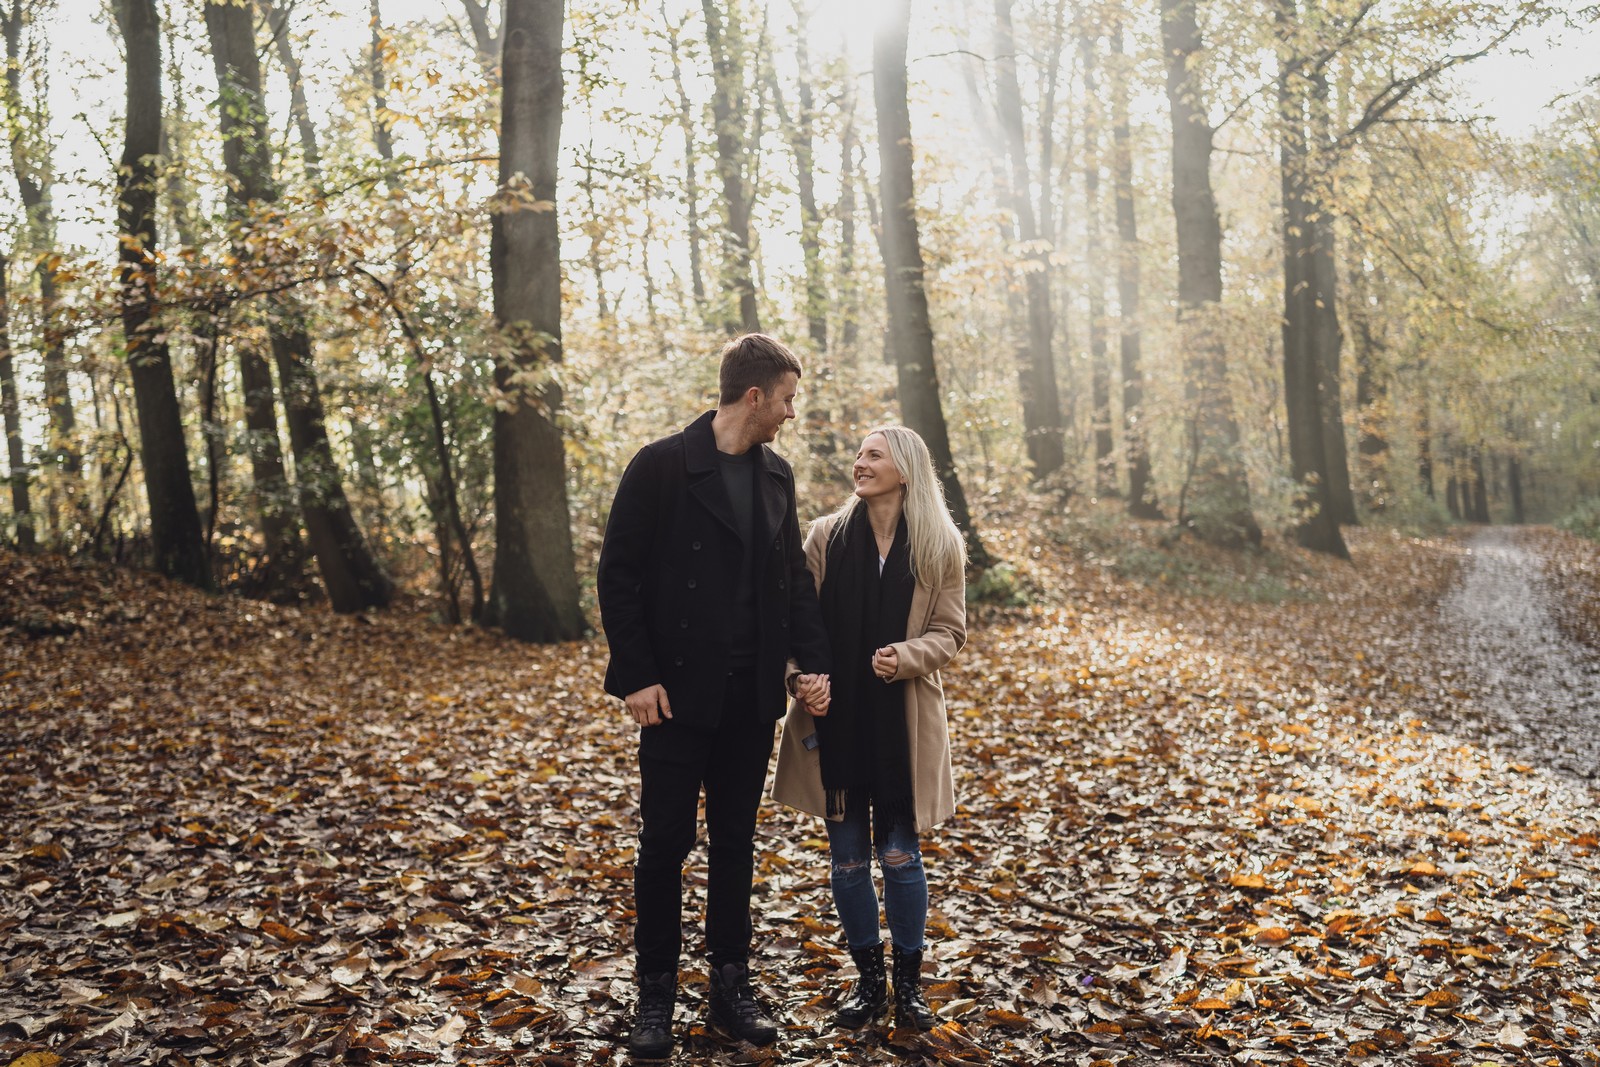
x,y
700,468
774,493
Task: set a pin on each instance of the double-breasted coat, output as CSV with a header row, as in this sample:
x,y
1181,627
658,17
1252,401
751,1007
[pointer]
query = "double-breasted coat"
x,y
936,629
668,574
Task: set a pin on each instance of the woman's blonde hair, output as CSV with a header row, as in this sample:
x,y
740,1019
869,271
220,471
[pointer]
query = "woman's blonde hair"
x,y
938,552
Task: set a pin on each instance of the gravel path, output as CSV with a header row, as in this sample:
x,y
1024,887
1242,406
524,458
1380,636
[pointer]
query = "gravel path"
x,y
1540,690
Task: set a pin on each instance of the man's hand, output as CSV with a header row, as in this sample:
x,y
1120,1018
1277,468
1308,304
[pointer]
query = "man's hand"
x,y
814,692
885,662
649,705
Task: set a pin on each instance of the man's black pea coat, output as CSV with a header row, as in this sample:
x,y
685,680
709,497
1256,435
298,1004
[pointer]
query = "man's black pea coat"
x,y
668,572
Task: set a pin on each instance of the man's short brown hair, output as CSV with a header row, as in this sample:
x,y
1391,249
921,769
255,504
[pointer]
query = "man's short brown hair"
x,y
753,359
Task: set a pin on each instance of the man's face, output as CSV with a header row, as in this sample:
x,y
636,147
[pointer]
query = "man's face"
x,y
774,408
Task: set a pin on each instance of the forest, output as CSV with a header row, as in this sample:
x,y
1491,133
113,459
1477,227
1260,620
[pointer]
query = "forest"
x,y
333,300
1256,348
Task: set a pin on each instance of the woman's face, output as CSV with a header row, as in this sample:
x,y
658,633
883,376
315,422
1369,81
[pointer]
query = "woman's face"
x,y
874,472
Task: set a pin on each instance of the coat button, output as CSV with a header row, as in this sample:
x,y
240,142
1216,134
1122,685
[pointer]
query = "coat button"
x,y
695,546
678,662
691,583
683,624
783,623
780,583
777,544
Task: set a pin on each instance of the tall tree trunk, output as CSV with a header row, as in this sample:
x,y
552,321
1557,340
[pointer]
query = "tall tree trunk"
x,y
30,161
381,136
1041,401
1514,484
691,185
1217,479
727,110
1372,392
1303,373
1135,437
1480,488
180,550
797,130
910,329
849,285
534,594
10,402
352,575
1326,333
299,110
485,38
1105,460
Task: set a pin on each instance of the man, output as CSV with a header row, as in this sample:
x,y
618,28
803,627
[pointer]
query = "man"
x,y
705,598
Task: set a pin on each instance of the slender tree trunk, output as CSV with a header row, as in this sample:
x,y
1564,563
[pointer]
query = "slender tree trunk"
x,y
30,161
798,132
1326,332
910,329
1041,409
352,575
1372,393
1303,375
1514,484
691,186
180,550
381,136
1480,489
849,286
1105,460
1217,478
534,594
1135,438
484,37
299,110
10,403
728,110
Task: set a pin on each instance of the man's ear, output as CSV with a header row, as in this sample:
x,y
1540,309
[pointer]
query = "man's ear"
x,y
753,396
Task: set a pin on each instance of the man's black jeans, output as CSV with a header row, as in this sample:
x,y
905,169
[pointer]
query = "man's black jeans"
x,y
675,762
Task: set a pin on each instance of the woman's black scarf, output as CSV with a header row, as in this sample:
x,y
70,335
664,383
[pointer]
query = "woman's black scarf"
x,y
862,740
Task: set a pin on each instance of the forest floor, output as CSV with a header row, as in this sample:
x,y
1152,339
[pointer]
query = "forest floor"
x,y
1268,808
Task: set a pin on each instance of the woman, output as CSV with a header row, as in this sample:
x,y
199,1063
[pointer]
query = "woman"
x,y
872,754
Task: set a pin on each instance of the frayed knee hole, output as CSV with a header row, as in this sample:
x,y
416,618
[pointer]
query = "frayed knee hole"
x,y
896,858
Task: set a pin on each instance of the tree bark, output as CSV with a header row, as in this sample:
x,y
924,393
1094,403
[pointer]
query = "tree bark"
x,y
381,136
691,186
1135,439
727,110
1217,479
849,285
352,575
30,161
1304,377
1041,405
910,329
299,110
175,534
10,403
534,593
1105,461
1326,332
484,36
1514,485
798,132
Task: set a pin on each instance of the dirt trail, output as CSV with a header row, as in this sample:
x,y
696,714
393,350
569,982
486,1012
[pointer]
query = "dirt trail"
x,y
1540,690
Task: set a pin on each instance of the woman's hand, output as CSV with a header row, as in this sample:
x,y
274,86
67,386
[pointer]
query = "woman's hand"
x,y
886,662
814,692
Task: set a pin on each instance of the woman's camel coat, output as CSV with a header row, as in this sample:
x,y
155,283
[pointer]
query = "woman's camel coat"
x,y
935,631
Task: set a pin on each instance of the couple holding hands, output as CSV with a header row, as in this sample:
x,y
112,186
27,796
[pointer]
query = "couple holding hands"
x,y
718,617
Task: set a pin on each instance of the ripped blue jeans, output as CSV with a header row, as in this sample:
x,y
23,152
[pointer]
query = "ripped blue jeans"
x,y
851,843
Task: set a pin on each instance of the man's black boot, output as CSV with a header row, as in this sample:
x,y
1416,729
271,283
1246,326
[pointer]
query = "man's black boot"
x,y
651,1038
734,1007
867,997
910,1010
